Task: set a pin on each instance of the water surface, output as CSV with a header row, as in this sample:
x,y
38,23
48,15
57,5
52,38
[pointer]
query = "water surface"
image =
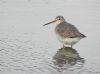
x,y
27,47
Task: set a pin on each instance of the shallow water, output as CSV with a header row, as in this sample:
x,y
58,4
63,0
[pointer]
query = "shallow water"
x,y
27,47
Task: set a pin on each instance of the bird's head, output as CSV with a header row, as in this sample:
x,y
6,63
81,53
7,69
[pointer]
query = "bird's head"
x,y
57,20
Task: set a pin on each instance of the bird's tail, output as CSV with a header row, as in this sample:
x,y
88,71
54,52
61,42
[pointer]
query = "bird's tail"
x,y
82,35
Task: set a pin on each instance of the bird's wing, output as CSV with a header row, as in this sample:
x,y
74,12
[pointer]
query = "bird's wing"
x,y
69,31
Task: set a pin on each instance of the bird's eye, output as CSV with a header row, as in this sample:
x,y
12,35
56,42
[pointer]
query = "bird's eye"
x,y
58,18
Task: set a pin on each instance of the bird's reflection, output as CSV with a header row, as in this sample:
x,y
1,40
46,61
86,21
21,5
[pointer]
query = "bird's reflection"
x,y
67,56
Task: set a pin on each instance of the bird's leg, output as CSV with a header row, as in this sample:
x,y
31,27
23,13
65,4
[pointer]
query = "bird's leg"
x,y
63,46
71,45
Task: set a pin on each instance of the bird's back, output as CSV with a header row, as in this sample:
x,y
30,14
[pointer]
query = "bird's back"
x,y
68,30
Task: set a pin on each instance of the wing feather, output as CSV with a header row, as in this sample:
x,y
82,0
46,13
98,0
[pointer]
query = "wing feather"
x,y
68,30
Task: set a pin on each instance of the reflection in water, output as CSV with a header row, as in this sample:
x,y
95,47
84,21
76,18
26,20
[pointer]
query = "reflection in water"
x,y
67,58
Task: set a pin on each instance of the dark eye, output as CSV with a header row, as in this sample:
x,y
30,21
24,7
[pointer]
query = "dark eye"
x,y
58,18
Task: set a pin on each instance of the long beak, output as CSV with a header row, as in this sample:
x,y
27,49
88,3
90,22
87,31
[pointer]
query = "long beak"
x,y
50,22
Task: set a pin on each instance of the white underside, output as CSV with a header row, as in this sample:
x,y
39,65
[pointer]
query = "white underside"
x,y
68,41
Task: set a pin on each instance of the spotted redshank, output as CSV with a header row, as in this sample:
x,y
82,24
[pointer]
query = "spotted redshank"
x,y
67,33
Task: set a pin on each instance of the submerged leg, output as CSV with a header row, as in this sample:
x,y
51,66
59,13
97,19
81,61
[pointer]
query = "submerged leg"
x,y
63,46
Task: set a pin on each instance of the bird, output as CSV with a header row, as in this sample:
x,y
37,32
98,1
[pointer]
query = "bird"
x,y
66,32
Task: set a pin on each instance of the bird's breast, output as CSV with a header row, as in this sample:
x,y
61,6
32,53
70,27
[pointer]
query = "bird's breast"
x,y
68,41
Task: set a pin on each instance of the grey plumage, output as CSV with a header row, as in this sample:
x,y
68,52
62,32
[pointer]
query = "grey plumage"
x,y
67,33
68,30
